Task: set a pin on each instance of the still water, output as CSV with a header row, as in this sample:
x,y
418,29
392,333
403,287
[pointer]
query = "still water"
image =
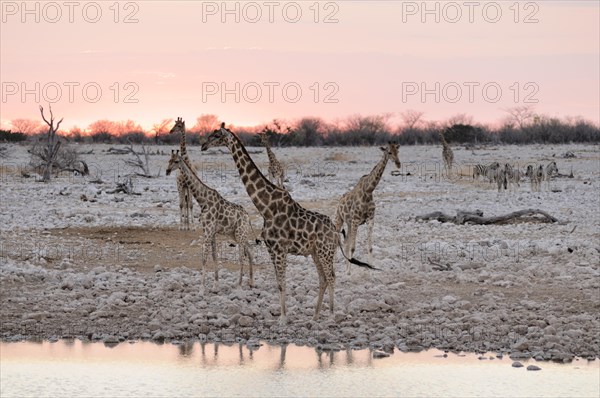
x,y
75,368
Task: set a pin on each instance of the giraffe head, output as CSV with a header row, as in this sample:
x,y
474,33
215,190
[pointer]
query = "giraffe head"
x,y
263,138
173,162
179,126
392,151
220,137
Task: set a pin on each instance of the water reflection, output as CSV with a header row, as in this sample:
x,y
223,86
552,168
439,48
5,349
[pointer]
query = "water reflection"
x,y
81,368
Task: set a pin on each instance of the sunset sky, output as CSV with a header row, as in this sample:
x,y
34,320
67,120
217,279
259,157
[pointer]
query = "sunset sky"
x,y
175,58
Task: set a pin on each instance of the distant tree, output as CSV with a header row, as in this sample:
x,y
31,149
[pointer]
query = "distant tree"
x,y
206,124
114,128
75,134
411,118
519,116
278,132
368,130
27,126
161,128
8,136
463,133
128,126
101,137
102,126
459,118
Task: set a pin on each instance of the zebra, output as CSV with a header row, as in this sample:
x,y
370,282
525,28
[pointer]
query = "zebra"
x,y
536,176
513,175
486,170
551,169
500,176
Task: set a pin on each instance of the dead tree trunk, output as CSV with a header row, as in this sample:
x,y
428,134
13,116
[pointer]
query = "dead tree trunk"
x,y
476,217
144,165
52,144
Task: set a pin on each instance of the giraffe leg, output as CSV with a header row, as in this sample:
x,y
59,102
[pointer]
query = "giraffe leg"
x,y
203,260
186,213
329,271
350,244
250,261
279,263
241,238
370,223
213,245
325,269
190,210
322,287
181,211
241,249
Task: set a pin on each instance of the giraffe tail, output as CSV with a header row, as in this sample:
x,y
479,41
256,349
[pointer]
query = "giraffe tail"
x,y
355,261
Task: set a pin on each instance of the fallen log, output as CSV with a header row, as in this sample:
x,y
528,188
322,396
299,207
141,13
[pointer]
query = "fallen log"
x,y
476,217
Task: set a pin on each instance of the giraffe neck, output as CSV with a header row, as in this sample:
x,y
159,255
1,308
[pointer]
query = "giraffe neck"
x,y
262,192
200,191
182,146
444,143
374,176
271,155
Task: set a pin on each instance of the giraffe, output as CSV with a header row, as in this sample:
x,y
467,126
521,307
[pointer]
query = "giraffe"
x,y
288,228
218,216
447,154
186,202
275,169
357,207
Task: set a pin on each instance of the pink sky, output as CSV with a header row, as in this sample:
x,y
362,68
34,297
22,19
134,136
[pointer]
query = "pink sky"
x,y
370,61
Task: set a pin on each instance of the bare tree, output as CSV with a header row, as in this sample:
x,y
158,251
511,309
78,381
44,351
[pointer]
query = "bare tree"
x,y
459,118
50,153
411,118
519,115
138,163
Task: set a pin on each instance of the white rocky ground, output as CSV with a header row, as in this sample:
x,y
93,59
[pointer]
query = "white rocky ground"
x,y
115,267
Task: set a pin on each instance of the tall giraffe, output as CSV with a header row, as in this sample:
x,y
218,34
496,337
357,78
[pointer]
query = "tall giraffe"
x,y
186,202
288,228
217,216
357,207
275,169
447,154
